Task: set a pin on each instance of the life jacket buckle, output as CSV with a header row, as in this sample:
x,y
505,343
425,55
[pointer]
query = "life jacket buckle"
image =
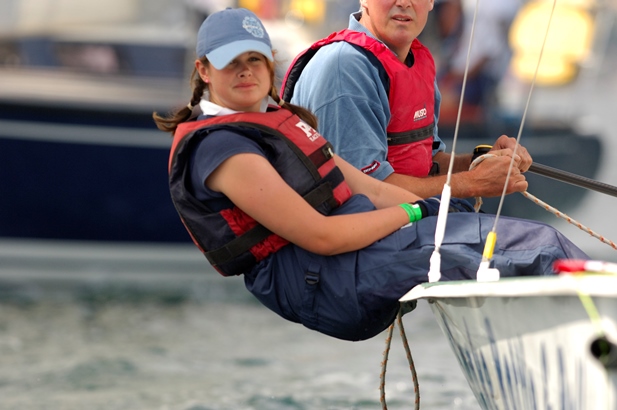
x,y
311,278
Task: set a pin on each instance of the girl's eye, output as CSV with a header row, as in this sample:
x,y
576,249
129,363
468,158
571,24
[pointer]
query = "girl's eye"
x,y
250,59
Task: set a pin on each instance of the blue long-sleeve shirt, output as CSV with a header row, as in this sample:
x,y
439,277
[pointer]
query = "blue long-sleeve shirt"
x,y
343,89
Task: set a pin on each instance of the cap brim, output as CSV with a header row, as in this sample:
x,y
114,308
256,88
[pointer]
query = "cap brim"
x,y
222,56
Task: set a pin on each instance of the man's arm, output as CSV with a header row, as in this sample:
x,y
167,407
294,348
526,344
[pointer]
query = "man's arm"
x,y
343,89
487,179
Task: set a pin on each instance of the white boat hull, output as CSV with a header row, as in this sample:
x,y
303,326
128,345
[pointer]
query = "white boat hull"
x,y
525,343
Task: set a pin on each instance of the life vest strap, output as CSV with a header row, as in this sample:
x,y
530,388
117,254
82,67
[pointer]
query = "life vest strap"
x,y
237,246
408,137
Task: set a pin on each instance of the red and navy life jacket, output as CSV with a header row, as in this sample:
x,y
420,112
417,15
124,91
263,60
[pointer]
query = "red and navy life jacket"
x,y
232,241
411,95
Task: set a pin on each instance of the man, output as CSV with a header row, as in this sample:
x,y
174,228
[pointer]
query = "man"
x,y
373,89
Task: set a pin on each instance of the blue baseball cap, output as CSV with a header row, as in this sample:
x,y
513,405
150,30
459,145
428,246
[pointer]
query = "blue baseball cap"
x,y
226,34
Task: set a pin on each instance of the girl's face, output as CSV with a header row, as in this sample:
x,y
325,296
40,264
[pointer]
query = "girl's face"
x,y
241,85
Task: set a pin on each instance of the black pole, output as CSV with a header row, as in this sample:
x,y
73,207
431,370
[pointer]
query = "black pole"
x,y
573,179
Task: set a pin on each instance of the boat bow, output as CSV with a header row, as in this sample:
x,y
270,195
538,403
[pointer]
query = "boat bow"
x,y
530,343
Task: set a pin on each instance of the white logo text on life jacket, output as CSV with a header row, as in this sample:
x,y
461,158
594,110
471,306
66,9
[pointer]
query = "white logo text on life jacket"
x,y
420,114
308,130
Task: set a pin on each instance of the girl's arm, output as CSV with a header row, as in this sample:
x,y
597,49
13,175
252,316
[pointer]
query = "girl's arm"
x,y
251,183
380,193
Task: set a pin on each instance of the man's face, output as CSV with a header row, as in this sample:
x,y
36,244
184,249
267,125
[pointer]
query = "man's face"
x,y
396,22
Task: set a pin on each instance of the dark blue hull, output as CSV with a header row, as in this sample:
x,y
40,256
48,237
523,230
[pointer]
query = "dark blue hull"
x,y
57,185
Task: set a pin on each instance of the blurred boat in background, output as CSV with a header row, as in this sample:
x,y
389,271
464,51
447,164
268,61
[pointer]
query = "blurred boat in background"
x,y
80,156
83,159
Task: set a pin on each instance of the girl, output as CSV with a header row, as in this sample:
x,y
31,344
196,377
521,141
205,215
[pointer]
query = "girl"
x,y
318,241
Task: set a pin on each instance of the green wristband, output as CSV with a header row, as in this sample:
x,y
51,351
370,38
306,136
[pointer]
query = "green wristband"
x,y
413,211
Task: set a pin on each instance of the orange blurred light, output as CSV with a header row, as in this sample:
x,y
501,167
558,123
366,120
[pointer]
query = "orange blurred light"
x,y
567,45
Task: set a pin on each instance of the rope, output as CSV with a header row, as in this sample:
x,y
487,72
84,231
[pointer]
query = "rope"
x,y
384,363
574,222
546,207
412,367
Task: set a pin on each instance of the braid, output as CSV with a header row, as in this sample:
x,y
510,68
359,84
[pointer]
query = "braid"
x,y
199,86
170,122
274,95
304,114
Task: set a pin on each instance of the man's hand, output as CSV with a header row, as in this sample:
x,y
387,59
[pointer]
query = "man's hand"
x,y
488,178
504,146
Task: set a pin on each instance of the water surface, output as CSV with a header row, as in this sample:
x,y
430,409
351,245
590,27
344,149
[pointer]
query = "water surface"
x,y
171,335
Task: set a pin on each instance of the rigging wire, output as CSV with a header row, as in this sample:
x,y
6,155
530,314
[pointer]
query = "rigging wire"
x,y
434,273
491,239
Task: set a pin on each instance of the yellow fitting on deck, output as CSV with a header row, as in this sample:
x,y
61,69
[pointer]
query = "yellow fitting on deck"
x,y
491,239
